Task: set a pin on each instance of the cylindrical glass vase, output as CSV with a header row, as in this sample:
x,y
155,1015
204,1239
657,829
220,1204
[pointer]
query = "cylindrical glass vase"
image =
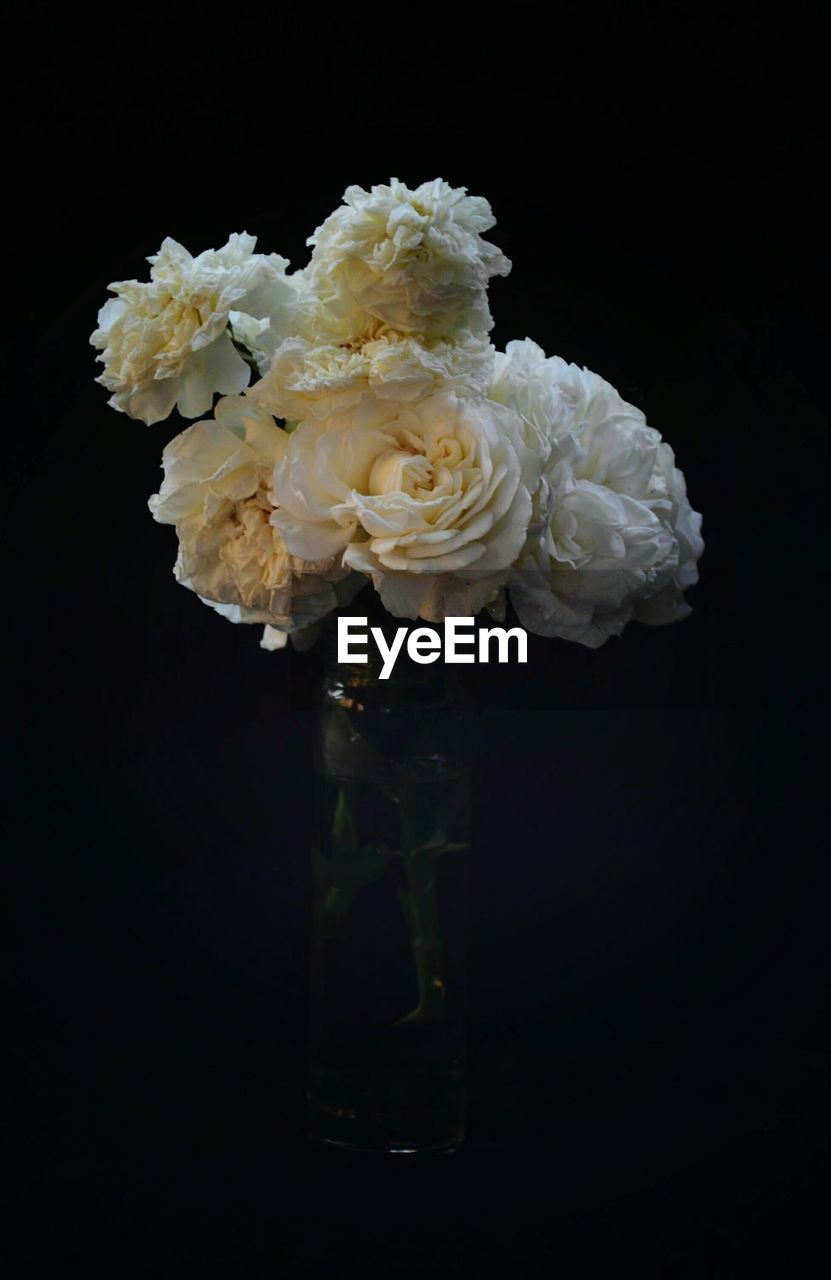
x,y
389,928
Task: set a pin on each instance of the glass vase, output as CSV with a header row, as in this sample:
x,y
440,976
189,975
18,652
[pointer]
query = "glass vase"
x,y
390,884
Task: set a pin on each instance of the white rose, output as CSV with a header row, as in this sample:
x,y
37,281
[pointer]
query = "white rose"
x,y
165,342
598,552
217,492
432,499
668,497
528,382
612,535
414,260
317,379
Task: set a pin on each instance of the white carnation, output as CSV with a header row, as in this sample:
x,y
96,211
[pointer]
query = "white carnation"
x,y
613,535
217,492
165,341
317,379
414,260
432,499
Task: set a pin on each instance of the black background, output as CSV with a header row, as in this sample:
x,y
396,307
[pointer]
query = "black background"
x,y
647,1077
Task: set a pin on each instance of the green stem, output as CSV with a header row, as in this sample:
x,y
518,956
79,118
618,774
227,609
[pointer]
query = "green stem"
x,y
420,904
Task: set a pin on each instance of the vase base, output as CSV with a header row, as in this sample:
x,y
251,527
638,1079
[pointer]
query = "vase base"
x,y
333,1144
425,1118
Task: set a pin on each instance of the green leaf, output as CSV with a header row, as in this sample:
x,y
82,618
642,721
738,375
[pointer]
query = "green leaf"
x,y
343,827
337,884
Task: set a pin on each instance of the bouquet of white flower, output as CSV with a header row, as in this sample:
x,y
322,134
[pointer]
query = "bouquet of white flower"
x,y
384,438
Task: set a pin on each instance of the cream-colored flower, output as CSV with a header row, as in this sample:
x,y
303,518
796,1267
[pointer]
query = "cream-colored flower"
x,y
165,341
414,260
217,492
317,379
431,499
613,535
536,388
668,497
